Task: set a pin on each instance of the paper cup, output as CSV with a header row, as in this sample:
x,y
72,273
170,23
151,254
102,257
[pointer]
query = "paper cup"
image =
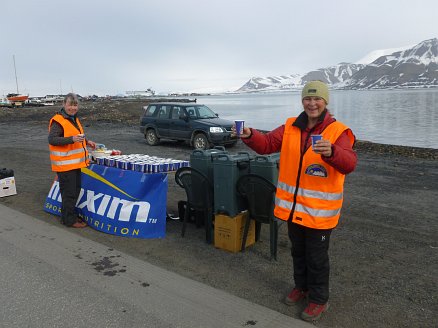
x,y
239,126
315,138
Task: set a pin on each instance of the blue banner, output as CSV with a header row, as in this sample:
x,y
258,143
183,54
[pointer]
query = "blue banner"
x,y
119,202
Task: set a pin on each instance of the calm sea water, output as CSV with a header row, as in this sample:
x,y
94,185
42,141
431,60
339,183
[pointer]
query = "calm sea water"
x,y
397,117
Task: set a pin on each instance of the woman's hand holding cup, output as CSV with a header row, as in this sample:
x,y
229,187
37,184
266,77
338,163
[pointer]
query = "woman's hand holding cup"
x,y
321,146
246,132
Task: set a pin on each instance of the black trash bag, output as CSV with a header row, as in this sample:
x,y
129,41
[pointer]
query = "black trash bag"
x,y
6,173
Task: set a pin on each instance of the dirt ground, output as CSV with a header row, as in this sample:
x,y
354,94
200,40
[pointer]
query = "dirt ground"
x,y
384,253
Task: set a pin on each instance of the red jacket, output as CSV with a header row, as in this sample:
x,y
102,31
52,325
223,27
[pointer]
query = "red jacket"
x,y
343,159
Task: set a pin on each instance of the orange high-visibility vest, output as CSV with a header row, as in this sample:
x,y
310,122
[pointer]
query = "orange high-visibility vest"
x,y
71,156
307,185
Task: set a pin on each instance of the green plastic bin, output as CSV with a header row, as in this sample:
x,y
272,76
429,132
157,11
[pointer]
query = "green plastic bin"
x,y
202,160
266,166
227,169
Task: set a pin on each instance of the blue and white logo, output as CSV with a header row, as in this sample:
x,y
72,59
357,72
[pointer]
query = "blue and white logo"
x,y
316,170
118,202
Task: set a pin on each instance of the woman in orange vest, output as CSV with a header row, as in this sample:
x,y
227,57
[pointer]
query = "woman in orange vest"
x,y
309,189
68,154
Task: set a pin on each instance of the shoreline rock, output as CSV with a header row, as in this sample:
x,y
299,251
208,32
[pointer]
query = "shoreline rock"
x,y
406,151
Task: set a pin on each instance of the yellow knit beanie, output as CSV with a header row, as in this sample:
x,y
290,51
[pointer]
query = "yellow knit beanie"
x,y
316,89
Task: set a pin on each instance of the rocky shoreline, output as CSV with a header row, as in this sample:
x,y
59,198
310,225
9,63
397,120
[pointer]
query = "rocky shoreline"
x,y
414,152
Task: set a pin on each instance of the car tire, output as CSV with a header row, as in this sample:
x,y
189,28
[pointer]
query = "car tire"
x,y
201,142
151,137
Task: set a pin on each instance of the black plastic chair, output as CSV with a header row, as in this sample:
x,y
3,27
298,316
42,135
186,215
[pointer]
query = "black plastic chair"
x,y
259,195
199,193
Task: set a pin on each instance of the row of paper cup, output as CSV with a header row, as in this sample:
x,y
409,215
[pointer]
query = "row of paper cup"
x,y
142,163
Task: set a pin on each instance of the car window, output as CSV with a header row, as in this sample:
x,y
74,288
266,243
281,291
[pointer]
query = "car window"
x,y
164,112
191,111
149,111
205,112
176,110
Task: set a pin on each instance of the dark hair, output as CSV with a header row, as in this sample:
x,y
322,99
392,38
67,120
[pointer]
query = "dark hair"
x,y
71,98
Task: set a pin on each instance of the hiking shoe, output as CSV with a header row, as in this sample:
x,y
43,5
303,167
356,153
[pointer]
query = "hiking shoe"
x,y
79,225
314,311
295,296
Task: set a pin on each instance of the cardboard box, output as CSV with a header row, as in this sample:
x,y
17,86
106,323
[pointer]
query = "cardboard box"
x,y
228,232
7,187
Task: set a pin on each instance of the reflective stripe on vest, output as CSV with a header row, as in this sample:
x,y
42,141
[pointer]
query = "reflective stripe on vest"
x,y
67,153
318,200
311,193
305,209
69,161
71,156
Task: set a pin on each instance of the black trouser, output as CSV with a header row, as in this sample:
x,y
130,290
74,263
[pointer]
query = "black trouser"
x,y
70,186
311,261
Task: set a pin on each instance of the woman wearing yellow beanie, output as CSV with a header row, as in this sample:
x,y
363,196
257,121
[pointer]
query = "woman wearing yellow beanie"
x,y
309,190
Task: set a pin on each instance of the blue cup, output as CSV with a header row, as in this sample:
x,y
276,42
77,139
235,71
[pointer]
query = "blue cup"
x,y
315,138
239,126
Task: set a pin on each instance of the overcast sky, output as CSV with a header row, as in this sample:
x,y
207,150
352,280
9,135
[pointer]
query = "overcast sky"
x,y
109,47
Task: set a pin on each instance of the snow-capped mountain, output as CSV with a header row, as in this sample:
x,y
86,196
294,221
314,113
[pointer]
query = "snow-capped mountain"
x,y
410,67
373,55
272,83
414,67
333,75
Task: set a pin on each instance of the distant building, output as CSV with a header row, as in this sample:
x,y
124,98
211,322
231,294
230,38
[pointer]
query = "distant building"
x,y
147,93
55,98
